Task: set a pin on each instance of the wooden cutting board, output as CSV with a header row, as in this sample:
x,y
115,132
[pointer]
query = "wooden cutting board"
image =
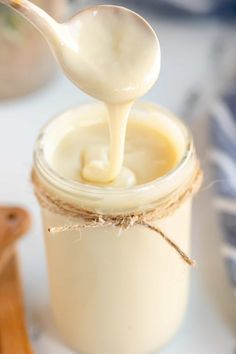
x,y
14,222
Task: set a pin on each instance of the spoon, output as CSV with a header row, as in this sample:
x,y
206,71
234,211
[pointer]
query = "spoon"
x,y
70,43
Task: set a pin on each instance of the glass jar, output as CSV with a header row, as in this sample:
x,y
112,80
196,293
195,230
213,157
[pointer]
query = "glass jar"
x,y
26,62
117,293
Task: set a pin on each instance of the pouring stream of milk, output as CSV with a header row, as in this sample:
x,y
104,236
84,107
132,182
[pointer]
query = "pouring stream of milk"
x,y
112,54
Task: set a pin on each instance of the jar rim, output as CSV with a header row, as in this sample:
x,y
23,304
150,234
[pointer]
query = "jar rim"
x,y
75,188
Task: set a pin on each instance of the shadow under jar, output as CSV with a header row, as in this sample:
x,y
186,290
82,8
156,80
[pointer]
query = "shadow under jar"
x,y
26,62
112,292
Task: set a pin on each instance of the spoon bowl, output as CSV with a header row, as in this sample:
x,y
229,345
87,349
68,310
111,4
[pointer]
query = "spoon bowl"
x,y
121,33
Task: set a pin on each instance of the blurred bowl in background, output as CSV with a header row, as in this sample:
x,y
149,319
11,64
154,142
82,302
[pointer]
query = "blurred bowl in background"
x,y
26,62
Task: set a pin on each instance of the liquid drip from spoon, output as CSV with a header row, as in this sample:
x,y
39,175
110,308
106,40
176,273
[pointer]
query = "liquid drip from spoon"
x,y
106,169
112,54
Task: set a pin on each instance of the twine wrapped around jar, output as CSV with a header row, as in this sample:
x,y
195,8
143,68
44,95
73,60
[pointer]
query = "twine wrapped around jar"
x,y
93,219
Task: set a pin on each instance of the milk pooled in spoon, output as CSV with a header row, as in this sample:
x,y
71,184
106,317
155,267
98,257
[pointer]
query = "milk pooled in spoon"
x,y
111,53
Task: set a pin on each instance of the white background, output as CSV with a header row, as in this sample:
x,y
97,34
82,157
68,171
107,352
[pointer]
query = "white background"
x,y
187,54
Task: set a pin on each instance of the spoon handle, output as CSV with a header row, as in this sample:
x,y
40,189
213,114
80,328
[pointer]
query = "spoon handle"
x,y
48,27
14,223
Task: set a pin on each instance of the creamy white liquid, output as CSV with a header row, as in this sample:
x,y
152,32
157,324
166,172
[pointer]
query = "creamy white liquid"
x,y
149,151
106,169
116,58
111,53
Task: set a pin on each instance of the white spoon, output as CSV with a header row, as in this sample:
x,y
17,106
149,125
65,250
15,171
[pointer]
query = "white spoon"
x,y
79,63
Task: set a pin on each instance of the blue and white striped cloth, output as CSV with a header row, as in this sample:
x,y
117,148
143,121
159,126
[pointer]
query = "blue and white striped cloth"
x,y
194,7
176,7
223,159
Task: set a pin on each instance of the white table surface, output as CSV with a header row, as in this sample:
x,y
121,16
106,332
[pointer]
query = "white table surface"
x,y
210,323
